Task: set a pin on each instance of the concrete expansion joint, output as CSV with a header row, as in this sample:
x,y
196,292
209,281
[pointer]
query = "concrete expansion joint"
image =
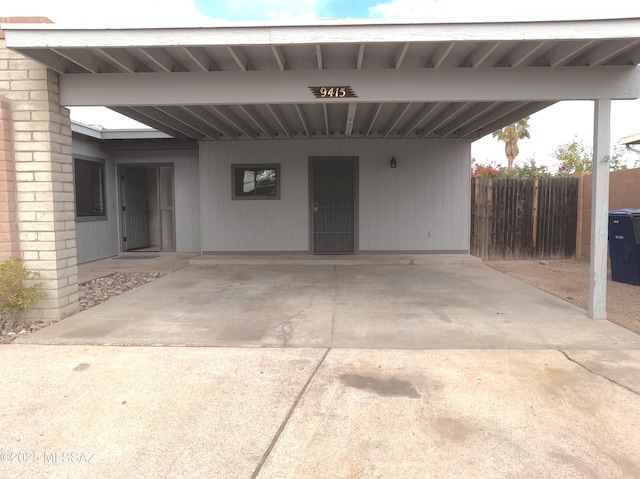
x,y
293,407
566,355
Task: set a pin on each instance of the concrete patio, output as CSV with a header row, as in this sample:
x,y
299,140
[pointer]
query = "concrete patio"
x,y
398,302
420,368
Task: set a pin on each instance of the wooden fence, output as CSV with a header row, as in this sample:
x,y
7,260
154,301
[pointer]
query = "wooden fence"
x,y
519,219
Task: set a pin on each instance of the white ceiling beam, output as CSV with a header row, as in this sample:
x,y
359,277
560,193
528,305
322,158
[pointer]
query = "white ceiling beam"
x,y
319,56
401,53
326,120
567,51
240,57
429,111
400,113
227,116
480,54
278,54
324,32
303,121
209,120
441,54
255,119
158,116
372,122
122,59
159,58
608,51
200,58
56,62
452,111
85,60
475,112
497,113
360,56
371,86
279,121
516,115
351,118
521,54
183,118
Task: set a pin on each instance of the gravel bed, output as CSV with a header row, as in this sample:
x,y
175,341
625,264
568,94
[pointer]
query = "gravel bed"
x,y
97,291
91,293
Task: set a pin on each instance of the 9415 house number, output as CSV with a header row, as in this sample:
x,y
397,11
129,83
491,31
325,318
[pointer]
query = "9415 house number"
x,y
332,92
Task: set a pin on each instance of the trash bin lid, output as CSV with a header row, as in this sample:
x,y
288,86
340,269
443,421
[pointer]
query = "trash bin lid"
x,y
633,212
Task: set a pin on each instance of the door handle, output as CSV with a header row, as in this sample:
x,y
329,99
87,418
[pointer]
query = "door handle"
x,y
315,207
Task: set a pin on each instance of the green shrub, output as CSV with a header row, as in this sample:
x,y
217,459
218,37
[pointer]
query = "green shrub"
x,y
15,297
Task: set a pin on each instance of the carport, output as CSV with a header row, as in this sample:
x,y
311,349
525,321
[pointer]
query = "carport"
x,y
340,90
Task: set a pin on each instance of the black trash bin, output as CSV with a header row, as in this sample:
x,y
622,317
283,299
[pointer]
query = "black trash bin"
x,y
624,245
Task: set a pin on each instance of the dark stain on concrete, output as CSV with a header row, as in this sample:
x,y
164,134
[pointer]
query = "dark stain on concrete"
x,y
382,387
628,467
81,367
452,429
575,463
241,276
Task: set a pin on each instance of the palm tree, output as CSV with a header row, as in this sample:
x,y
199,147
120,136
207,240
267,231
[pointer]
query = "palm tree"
x,y
510,134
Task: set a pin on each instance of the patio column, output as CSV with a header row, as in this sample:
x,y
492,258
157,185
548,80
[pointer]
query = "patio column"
x,y
40,133
600,210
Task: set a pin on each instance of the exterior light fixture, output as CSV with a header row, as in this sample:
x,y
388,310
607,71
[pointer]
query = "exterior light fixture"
x,y
393,163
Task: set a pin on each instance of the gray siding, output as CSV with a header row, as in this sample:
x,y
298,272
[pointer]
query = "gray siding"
x,y
423,205
97,239
187,193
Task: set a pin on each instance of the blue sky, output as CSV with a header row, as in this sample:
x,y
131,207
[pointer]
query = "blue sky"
x,y
264,10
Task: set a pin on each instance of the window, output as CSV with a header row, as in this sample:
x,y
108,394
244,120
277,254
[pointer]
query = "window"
x,y
255,182
90,190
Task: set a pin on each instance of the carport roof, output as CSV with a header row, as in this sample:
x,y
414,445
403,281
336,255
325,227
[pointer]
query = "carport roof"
x,y
447,79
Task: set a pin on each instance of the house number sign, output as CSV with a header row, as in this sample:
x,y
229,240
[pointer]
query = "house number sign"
x,y
332,92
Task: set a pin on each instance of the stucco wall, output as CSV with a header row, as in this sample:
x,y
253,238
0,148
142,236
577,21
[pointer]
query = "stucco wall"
x,y
98,238
187,189
422,205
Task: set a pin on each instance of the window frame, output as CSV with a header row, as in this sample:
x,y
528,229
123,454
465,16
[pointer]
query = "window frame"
x,y
255,166
102,163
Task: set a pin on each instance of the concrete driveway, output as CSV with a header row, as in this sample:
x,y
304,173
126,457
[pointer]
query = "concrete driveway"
x,y
373,302
437,370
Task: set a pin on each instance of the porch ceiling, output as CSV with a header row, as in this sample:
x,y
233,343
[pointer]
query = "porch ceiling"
x,y
455,49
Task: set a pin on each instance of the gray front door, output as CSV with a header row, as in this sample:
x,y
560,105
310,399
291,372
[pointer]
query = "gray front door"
x,y
333,185
135,208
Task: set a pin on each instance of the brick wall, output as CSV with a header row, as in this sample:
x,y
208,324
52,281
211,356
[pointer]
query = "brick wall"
x,y
624,192
40,133
9,239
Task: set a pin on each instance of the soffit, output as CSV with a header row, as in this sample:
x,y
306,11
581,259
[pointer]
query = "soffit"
x,y
453,46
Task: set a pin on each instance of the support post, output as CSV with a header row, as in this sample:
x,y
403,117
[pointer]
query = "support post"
x,y
600,210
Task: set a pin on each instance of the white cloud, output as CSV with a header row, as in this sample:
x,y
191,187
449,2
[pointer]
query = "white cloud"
x,y
111,13
162,12
502,8
285,11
